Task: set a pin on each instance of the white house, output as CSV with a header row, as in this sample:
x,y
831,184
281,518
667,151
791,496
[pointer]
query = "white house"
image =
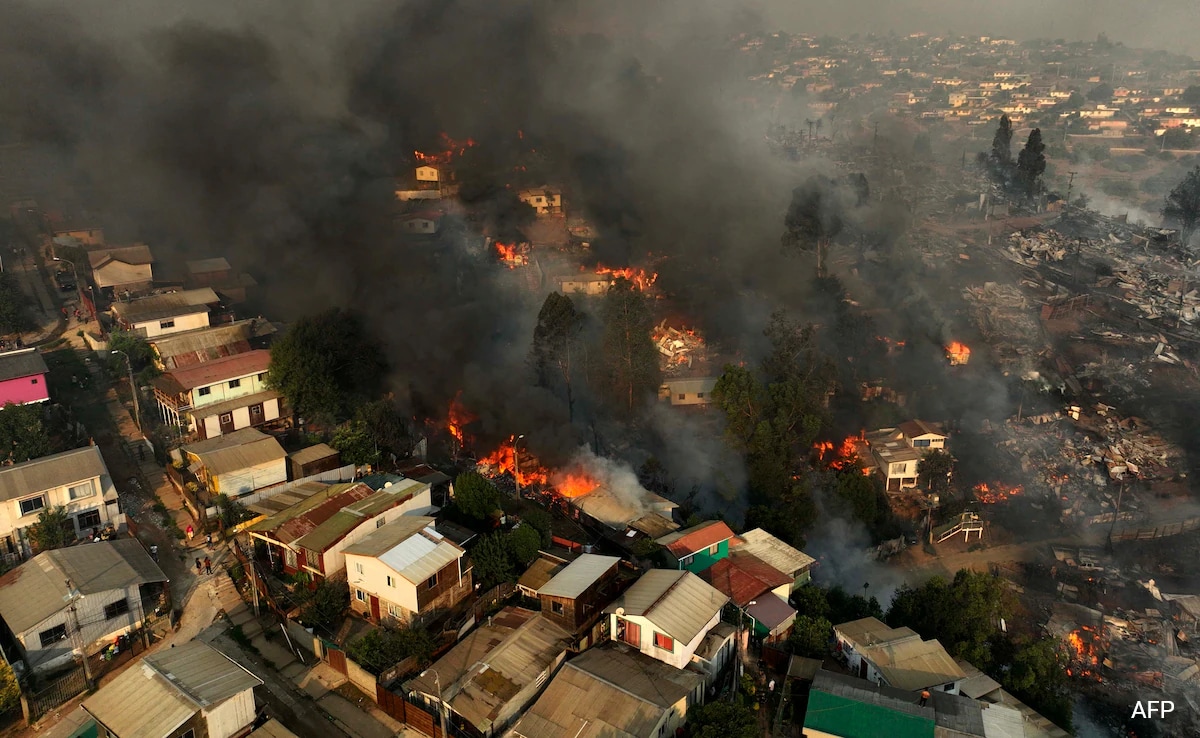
x,y
217,397
185,691
897,657
405,570
76,598
897,452
122,268
666,614
237,463
544,200
76,480
171,312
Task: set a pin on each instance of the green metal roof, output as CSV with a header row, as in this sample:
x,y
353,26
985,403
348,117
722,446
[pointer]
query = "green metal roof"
x,y
849,718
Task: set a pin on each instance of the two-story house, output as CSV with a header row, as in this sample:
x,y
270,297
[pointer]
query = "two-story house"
x,y
897,452
237,463
666,614
544,200
219,396
494,673
77,481
897,657
79,597
575,597
698,547
613,690
171,312
190,690
405,571
180,350
23,377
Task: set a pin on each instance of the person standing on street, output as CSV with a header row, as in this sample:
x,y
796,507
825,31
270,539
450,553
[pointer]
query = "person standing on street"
x,y
199,567
207,565
190,532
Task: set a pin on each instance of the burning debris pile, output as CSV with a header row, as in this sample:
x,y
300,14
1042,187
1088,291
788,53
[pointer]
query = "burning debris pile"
x,y
512,255
678,346
640,278
1006,320
851,452
958,353
1084,649
989,494
450,149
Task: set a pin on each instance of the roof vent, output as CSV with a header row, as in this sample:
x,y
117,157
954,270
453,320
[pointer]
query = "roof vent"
x,y
387,484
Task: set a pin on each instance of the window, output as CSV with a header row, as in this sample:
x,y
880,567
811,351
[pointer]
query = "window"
x,y
262,377
432,582
256,411
395,611
391,582
52,636
921,443
32,505
89,519
699,395
358,567
360,595
226,418
557,608
289,558
235,383
663,641
80,491
380,523
34,380
204,391
189,733
116,609
682,396
165,324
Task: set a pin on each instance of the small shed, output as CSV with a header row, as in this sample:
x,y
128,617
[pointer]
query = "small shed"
x,y
312,460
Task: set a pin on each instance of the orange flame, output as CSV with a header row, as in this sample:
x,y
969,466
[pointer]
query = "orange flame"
x,y
990,494
450,149
575,485
843,456
458,418
509,255
526,470
640,278
958,353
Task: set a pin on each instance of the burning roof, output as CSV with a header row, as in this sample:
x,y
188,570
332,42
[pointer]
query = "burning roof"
x,y
958,353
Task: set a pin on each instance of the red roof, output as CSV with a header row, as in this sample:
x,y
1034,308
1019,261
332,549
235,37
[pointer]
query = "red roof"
x,y
223,369
300,525
744,577
698,538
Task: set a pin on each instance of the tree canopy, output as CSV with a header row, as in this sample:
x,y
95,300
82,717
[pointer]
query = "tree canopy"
x,y
327,364
52,530
10,689
23,433
630,360
964,613
1183,204
721,719
934,471
1031,163
554,344
810,636
382,648
1001,156
325,605
14,306
523,543
492,561
475,496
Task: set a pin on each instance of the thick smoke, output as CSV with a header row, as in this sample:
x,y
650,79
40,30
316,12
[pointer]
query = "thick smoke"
x,y
615,476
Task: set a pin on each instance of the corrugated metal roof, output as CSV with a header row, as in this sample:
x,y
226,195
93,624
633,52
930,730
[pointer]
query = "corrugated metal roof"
x,y
290,497
913,664
607,691
206,266
138,253
384,539
409,546
539,572
272,729
48,472
678,602
789,560
962,716
22,363
604,505
118,273
870,631
241,449
37,589
697,538
580,574
208,373
770,610
311,513
166,305
207,676
744,577
331,530
312,453
178,350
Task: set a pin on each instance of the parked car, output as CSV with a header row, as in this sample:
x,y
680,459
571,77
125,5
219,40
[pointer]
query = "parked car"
x,y
65,280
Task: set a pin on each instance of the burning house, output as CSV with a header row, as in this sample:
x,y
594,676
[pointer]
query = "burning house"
x,y
958,353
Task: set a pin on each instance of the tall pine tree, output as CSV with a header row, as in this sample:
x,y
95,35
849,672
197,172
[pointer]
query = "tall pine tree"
x,y
1031,163
1001,157
629,357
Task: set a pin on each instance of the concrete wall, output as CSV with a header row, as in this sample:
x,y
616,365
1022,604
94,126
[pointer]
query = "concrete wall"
x,y
152,328
360,677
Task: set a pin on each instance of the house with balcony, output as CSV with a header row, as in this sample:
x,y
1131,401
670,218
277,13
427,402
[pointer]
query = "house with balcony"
x,y
897,452
575,597
76,480
405,571
238,463
79,597
218,397
170,312
190,690
666,615
698,547
897,657
23,377
490,677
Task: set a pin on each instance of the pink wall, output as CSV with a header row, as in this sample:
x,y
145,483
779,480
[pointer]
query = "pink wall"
x,y
23,390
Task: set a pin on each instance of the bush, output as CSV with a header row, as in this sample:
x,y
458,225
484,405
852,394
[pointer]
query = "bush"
x,y
383,648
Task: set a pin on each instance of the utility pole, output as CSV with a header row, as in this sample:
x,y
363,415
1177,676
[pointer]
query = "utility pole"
x,y
1070,182
76,635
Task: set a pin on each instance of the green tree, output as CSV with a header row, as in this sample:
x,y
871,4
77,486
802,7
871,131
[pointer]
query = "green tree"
x,y
231,511
388,427
10,689
52,530
523,543
721,719
810,637
1038,675
554,344
741,399
23,434
1191,95
1183,204
14,307
859,495
964,614
845,607
1001,156
475,496
630,360
1031,162
355,442
325,606
327,365
382,648
811,600
491,561
934,471
814,218
542,522
134,346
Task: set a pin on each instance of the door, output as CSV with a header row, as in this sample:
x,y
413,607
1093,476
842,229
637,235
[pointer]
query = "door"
x,y
375,608
226,421
630,633
862,668
256,414
336,659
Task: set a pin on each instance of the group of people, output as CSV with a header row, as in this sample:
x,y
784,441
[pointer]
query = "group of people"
x,y
205,566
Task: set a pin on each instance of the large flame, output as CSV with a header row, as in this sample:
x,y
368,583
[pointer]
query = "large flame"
x,y
1083,652
574,484
525,470
458,418
958,353
843,456
640,278
989,494
510,256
